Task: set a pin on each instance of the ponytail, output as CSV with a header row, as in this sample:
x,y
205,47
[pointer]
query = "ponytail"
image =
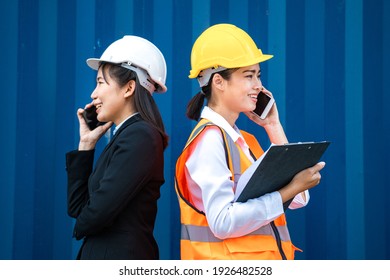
x,y
195,105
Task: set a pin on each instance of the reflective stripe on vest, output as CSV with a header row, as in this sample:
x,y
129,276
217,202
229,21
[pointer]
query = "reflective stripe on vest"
x,y
204,234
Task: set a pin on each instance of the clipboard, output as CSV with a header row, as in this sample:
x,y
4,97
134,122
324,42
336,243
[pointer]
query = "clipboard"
x,y
279,165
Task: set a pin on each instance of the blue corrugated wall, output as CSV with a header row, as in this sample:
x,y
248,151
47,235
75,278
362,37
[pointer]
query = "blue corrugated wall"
x,y
330,76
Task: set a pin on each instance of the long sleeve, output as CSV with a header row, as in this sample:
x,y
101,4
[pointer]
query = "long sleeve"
x,y
299,201
79,167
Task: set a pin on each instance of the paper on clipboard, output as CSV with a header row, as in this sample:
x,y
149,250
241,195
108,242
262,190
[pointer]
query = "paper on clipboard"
x,y
276,168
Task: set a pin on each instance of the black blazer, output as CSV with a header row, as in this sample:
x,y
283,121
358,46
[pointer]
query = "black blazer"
x,y
115,205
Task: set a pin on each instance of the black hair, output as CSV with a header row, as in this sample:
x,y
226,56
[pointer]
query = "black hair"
x,y
195,105
143,100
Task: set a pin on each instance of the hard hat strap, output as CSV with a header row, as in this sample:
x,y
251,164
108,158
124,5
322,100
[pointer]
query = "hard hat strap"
x,y
142,75
204,75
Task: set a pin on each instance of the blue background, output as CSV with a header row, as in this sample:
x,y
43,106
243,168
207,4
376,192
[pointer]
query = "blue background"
x,y
329,75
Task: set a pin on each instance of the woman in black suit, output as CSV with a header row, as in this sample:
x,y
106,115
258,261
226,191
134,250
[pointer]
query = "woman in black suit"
x,y
115,203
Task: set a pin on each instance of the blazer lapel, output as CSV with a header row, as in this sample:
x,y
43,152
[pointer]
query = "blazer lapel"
x,y
130,121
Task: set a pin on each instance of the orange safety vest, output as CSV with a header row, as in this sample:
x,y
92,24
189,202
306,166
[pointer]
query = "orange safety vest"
x,y
270,242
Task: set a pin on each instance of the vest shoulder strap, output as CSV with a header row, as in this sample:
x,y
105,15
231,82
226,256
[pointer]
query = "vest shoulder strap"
x,y
197,130
254,146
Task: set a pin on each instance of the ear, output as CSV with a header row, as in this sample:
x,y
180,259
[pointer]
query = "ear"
x,y
218,81
130,89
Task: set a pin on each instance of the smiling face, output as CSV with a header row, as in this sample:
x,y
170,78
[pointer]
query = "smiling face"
x,y
237,94
110,99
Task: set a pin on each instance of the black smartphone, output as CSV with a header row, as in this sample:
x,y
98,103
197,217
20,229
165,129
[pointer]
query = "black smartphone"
x,y
90,117
263,105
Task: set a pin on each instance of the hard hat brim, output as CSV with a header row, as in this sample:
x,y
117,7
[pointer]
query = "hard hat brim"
x,y
94,63
194,73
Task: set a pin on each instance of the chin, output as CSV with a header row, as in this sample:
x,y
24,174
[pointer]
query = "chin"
x,y
101,119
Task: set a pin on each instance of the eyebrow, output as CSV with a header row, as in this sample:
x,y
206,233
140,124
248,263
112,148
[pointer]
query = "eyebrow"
x,y
251,71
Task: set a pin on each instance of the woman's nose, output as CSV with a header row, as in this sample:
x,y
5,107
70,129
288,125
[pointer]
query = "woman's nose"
x,y
94,94
258,85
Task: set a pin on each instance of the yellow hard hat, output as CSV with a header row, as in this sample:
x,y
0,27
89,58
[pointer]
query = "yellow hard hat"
x,y
224,45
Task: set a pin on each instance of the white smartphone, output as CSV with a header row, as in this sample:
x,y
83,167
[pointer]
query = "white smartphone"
x,y
263,105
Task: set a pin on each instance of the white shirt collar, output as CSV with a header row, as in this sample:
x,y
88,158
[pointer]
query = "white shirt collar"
x,y
119,125
214,117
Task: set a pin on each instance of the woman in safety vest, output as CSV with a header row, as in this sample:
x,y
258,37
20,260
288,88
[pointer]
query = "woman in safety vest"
x,y
115,203
225,60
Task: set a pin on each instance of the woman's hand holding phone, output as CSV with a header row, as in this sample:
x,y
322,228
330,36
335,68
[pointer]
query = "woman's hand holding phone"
x,y
90,117
265,108
271,123
264,103
88,136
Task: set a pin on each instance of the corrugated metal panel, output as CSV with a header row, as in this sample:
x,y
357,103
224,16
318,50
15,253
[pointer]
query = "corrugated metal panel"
x,y
329,76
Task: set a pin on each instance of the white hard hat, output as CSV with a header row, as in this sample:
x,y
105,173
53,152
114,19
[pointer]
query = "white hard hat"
x,y
140,55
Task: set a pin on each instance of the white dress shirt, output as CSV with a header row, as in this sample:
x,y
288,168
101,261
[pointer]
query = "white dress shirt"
x,y
212,190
